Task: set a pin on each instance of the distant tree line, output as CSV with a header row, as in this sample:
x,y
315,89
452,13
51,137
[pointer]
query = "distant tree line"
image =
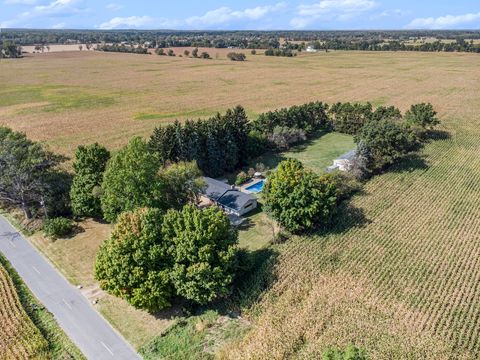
x,y
457,45
280,52
123,49
459,40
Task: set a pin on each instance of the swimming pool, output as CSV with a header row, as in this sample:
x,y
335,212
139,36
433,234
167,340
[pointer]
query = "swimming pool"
x,y
257,187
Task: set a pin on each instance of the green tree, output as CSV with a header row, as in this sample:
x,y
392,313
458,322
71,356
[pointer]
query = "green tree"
x,y
27,170
422,115
383,142
298,198
195,52
9,50
131,180
386,112
181,183
89,166
134,263
349,118
203,246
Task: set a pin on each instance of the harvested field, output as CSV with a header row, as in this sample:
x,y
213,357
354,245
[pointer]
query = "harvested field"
x,y
400,273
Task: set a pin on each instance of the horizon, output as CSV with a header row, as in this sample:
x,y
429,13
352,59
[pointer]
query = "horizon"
x,y
247,30
226,15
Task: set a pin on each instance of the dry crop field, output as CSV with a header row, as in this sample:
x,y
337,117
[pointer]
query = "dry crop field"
x,y
400,275
19,337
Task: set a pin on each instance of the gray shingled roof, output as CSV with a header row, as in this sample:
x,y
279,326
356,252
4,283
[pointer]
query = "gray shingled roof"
x,y
225,195
348,156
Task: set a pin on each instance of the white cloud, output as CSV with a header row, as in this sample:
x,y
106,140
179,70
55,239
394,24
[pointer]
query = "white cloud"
x,y
225,14
443,22
339,10
20,2
128,22
218,16
59,26
54,9
114,6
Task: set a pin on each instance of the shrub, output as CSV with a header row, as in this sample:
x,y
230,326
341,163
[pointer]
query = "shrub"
x,y
170,52
241,178
345,183
160,51
236,56
58,227
205,55
283,137
297,198
253,52
186,53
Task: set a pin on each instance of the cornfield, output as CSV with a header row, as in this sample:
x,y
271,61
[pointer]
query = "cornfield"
x,y
400,274
19,338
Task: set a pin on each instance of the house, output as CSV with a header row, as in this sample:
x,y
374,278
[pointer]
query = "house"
x,y
344,162
229,198
310,48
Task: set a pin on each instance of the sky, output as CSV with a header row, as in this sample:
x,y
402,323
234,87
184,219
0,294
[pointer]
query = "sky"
x,y
241,15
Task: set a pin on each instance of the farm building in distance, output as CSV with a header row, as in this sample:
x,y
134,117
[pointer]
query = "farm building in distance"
x,y
229,198
344,162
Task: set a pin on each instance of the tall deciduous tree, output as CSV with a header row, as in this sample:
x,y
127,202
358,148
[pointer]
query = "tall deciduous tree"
x,y
26,171
131,180
203,246
298,198
134,263
89,166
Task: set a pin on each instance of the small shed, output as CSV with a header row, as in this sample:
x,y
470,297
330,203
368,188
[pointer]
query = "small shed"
x,y
229,198
344,162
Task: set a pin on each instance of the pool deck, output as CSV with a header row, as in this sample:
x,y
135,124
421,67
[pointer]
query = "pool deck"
x,y
251,182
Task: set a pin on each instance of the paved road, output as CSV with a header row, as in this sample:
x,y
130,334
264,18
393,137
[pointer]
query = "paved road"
x,y
82,323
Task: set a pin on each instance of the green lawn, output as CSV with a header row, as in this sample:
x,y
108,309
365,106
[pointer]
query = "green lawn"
x,y
316,154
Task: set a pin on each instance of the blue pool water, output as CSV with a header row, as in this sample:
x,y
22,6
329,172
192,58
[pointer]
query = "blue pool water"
x,y
256,188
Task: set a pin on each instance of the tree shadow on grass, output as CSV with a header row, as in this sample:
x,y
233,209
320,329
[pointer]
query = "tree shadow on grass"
x,y
409,163
434,135
346,217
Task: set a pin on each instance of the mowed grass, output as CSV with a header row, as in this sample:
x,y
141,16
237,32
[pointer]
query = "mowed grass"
x,y
400,273
316,154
